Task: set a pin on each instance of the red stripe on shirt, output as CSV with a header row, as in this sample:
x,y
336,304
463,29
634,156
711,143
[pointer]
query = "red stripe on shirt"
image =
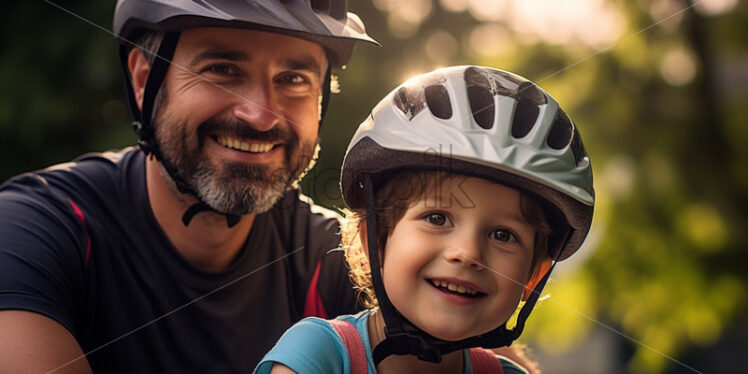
x,y
82,218
313,306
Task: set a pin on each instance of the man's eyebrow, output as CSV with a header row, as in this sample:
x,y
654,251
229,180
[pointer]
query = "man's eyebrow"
x,y
306,62
219,54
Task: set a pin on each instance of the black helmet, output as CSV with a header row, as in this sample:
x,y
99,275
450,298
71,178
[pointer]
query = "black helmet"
x,y
325,22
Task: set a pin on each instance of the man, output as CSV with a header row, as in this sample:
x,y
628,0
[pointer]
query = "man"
x,y
193,253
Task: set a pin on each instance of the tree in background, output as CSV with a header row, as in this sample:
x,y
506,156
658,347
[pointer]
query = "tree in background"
x,y
655,86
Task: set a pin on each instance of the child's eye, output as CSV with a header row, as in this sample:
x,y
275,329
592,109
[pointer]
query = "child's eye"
x,y
439,219
503,235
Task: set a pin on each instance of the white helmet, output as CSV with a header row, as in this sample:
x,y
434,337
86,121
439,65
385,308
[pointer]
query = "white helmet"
x,y
480,122
483,122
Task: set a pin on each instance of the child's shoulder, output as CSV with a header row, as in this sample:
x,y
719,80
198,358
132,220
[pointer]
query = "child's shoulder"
x,y
293,349
511,367
484,361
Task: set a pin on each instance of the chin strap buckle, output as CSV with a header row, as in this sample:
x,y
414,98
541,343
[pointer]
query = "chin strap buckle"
x,y
426,352
231,219
407,343
144,142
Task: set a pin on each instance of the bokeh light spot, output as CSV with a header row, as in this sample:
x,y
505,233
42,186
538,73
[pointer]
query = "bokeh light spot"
x,y
441,47
490,39
715,7
678,67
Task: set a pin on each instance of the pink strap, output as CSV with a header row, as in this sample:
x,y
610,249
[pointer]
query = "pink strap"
x,y
353,344
485,361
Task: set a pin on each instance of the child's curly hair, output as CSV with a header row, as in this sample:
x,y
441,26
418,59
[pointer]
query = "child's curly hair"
x,y
391,202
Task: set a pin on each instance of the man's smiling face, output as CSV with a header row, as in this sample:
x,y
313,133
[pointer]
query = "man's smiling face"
x,y
238,114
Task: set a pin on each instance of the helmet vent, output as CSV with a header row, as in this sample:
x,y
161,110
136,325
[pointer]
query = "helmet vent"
x,y
336,9
409,102
481,105
525,114
577,148
529,91
476,77
561,131
437,98
480,96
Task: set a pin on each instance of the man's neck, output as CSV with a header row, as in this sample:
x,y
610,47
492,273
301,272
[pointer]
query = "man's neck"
x,y
207,243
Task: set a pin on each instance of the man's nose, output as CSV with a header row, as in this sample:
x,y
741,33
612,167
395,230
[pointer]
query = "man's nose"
x,y
259,107
466,251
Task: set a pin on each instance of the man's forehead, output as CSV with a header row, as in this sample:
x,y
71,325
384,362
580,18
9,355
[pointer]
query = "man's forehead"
x,y
248,45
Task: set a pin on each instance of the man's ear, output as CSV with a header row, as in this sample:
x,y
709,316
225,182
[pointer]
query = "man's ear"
x,y
139,69
542,269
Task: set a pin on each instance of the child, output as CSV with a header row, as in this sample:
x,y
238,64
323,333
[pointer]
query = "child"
x,y
466,185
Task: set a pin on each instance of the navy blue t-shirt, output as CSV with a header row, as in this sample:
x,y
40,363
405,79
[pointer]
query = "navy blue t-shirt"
x,y
79,244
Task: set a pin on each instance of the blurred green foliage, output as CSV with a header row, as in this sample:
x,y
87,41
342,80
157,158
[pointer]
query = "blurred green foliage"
x,y
657,91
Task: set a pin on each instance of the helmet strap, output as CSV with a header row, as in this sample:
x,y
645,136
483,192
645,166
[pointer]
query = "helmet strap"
x,y
397,340
393,324
231,219
156,77
326,91
530,303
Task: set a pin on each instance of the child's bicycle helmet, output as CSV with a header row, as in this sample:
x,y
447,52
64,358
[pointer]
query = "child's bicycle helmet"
x,y
480,122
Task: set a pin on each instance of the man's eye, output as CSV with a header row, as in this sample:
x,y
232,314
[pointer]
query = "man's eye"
x,y
219,69
438,219
292,79
503,235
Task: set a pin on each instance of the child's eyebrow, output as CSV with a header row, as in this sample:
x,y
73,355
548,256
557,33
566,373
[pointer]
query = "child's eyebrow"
x,y
516,219
436,202
440,200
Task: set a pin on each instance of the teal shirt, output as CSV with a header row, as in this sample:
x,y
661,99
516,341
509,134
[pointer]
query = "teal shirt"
x,y
313,346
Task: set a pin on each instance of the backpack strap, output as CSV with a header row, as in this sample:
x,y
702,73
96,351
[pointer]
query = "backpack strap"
x,y
485,361
353,344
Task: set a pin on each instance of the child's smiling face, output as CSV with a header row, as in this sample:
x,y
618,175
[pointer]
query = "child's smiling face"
x,y
456,263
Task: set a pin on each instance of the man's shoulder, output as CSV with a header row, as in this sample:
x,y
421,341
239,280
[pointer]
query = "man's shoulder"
x,y
100,164
301,211
307,204
318,212
83,184
89,171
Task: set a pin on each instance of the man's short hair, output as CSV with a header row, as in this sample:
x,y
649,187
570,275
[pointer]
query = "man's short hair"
x,y
148,43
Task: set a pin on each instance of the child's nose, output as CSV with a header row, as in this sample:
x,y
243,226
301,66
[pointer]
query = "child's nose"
x,y
466,253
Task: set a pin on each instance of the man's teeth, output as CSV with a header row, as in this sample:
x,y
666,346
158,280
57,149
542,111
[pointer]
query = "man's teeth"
x,y
243,146
454,288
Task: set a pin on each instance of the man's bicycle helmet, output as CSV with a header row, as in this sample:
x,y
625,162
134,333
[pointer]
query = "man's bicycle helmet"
x,y
325,22
481,122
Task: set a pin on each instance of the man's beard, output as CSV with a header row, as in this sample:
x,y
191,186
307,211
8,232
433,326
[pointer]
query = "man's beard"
x,y
233,187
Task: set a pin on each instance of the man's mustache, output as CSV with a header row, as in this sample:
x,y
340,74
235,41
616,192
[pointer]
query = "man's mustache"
x,y
242,130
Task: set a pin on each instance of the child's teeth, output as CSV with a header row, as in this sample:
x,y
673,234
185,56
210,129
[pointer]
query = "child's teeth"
x,y
455,288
